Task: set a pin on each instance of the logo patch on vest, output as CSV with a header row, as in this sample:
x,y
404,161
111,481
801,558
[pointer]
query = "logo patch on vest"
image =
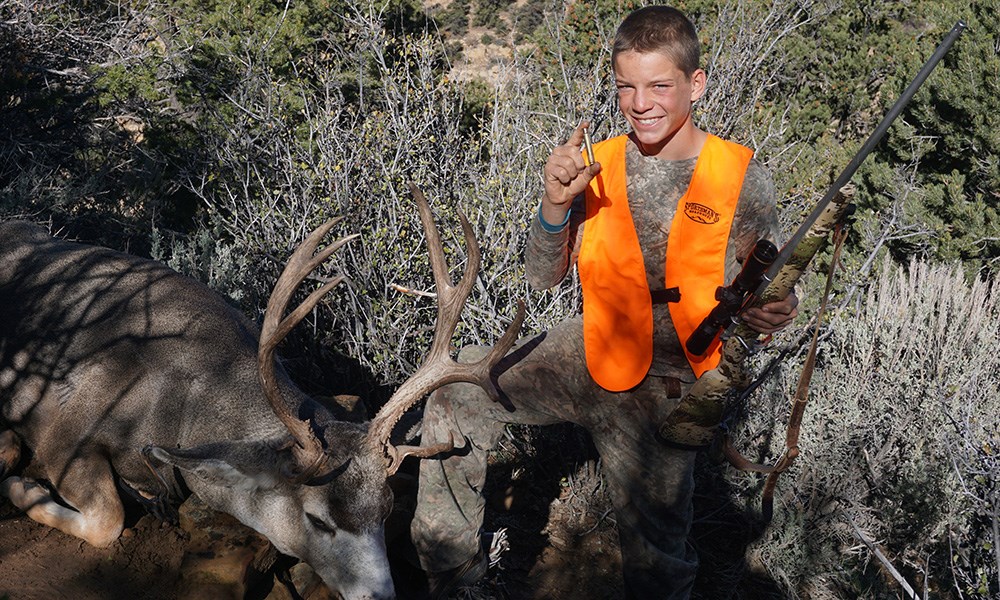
x,y
699,213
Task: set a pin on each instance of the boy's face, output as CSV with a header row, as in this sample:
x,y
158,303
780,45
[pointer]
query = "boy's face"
x,y
655,97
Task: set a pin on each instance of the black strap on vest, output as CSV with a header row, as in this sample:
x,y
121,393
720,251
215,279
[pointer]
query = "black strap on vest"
x,y
664,296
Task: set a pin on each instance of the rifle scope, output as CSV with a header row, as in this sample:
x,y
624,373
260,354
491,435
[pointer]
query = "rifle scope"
x,y
732,298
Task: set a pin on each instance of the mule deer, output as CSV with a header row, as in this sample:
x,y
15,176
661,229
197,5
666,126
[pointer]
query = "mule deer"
x,y
120,374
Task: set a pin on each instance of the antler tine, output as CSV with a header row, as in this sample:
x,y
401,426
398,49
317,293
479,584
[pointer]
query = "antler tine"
x,y
304,266
398,453
439,368
483,366
308,450
449,295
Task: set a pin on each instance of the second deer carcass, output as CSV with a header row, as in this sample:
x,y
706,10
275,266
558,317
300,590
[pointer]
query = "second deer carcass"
x,y
123,377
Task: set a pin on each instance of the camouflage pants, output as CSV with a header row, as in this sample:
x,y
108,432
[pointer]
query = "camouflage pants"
x,y
546,381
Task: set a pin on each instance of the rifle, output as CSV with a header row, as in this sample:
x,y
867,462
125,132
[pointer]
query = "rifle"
x,y
694,423
733,299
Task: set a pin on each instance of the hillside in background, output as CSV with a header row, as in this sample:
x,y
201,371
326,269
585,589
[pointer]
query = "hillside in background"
x,y
213,135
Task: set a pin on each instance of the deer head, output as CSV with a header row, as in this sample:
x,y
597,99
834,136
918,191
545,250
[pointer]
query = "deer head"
x,y
351,468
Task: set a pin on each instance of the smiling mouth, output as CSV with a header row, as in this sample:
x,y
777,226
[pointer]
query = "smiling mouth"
x,y
652,121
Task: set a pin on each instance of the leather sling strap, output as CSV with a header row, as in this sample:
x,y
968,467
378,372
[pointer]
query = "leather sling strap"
x,y
798,403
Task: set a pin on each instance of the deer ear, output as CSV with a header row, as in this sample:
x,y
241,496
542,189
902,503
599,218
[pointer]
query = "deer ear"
x,y
239,465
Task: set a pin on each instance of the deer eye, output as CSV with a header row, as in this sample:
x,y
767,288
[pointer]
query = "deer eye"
x,y
321,525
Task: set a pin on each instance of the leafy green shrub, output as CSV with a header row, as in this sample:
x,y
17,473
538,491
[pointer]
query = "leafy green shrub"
x,y
202,257
72,130
527,17
488,13
453,19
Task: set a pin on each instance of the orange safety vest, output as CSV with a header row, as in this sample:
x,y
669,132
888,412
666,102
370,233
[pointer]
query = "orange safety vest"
x,y
617,307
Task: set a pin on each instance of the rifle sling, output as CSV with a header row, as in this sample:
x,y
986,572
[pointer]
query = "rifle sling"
x,y
798,403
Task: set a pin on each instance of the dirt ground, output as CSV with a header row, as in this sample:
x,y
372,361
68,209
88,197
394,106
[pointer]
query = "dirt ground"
x,y
40,563
563,542
37,562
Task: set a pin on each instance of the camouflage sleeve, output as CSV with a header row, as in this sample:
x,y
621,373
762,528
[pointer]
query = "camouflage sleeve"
x,y
756,212
548,256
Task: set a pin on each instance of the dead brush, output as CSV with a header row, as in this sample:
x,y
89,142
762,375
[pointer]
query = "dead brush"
x,y
585,500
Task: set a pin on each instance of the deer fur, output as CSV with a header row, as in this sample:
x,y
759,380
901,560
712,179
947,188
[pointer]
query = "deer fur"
x,y
103,355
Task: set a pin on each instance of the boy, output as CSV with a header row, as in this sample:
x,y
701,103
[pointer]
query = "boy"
x,y
621,368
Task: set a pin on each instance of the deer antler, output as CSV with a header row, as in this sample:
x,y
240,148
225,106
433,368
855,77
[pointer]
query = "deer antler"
x,y
439,368
307,450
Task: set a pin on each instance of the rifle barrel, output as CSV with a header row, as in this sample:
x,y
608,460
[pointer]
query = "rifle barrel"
x,y
873,140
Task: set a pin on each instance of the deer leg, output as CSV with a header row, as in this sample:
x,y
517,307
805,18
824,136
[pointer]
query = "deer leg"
x,y
10,452
95,512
